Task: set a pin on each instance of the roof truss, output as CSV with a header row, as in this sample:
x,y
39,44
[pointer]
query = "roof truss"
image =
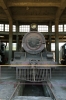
x,y
6,9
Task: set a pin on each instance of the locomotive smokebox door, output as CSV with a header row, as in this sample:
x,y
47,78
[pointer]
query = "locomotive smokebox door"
x,y
33,42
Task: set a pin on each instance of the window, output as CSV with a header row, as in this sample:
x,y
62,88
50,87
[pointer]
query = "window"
x,y
13,46
42,28
64,27
61,44
60,28
1,27
14,28
7,46
6,27
24,28
53,46
53,28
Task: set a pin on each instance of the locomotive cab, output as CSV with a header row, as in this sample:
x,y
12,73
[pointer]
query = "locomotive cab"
x,y
2,53
63,54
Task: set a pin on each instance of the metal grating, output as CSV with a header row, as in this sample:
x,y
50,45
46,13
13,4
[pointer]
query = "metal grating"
x,y
33,74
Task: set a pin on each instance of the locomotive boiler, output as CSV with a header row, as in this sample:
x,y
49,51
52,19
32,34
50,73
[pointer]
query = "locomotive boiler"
x,y
32,64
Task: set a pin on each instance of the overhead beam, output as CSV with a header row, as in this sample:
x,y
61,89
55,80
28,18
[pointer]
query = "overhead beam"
x,y
6,40
60,10
16,17
22,33
6,9
29,17
2,16
0,5
60,40
31,4
52,40
33,17
63,18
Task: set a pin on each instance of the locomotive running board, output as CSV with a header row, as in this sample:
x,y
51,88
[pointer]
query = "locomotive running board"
x,y
33,74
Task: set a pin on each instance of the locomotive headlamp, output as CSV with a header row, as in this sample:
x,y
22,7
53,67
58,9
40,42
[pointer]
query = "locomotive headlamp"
x,y
33,26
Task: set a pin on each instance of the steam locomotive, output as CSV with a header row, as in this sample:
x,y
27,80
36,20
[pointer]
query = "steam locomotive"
x,y
63,54
3,58
33,58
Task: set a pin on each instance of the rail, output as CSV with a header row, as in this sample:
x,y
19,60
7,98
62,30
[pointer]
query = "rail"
x,y
48,84
53,95
13,94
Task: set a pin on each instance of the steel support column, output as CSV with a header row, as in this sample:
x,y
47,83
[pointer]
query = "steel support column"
x,y
47,45
50,30
10,40
49,42
56,42
4,27
63,27
17,37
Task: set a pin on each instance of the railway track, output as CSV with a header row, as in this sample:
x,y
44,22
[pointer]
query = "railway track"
x,y
33,91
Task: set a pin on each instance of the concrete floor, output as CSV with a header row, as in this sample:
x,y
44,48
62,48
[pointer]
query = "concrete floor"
x,y
58,82
8,81
31,98
59,88
7,86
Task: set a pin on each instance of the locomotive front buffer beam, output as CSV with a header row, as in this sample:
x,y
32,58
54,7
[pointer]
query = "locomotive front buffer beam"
x,y
33,73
